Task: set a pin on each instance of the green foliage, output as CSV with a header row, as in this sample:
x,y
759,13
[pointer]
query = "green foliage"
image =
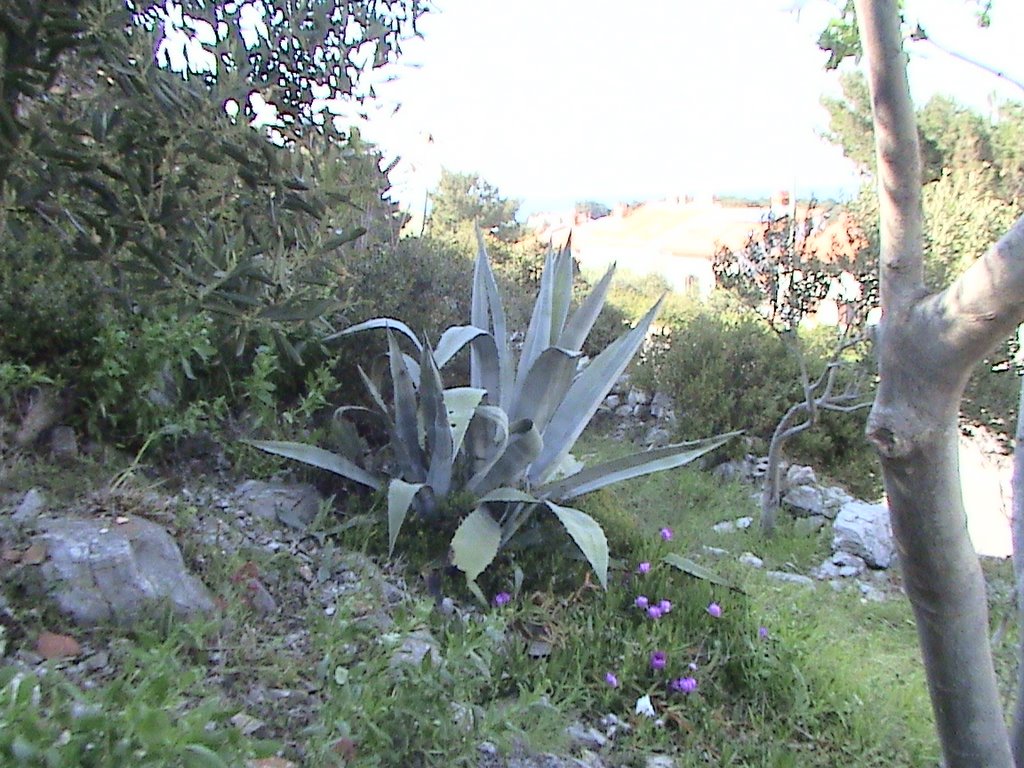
x,y
963,218
155,713
502,443
466,198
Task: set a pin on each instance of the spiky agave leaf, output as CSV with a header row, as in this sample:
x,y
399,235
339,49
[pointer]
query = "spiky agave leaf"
x,y
318,457
475,545
628,467
587,392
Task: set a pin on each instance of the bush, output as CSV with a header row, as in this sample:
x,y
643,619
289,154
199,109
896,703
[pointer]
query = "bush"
x,y
727,371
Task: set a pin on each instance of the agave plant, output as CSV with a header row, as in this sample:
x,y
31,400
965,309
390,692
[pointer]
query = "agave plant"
x,y
504,441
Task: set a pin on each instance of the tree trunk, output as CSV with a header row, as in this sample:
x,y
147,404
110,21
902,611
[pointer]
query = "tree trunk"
x,y
927,346
1017,734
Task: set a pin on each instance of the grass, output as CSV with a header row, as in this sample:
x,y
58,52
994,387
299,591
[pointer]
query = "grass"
x,y
346,687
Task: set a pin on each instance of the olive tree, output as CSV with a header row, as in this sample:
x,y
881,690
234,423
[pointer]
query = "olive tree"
x,y
927,344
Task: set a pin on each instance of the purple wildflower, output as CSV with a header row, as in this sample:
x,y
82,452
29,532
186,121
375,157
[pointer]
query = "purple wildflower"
x,y
502,598
666,533
654,612
684,685
665,606
658,660
611,679
715,610
763,633
642,602
644,567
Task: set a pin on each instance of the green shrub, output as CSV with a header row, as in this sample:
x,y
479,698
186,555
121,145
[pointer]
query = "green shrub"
x,y
727,371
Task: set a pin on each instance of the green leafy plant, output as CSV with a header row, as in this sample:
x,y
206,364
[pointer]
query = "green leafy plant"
x,y
503,442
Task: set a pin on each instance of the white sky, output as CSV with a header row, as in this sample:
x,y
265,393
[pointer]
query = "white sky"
x,y
556,101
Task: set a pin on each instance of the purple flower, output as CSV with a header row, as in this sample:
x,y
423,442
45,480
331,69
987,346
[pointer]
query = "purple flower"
x,y
684,685
644,567
654,612
666,533
502,598
611,679
665,606
763,633
715,610
658,660
642,602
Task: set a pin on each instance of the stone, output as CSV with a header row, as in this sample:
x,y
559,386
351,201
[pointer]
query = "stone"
x,y
295,505
414,648
871,593
790,578
864,529
749,558
833,498
585,736
98,570
842,565
800,475
714,551
624,411
659,761
637,397
729,526
662,407
63,444
657,437
612,402
29,508
804,500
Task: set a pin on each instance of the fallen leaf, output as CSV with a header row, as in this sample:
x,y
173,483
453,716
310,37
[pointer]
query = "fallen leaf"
x,y
54,646
34,555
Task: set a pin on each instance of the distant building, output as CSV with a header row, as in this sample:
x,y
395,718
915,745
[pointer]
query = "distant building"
x,y
675,239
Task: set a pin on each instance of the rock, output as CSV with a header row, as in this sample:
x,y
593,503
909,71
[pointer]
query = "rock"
x,y
63,444
612,402
97,570
637,397
657,437
414,649
749,558
714,551
804,500
624,411
659,761
798,475
841,565
833,498
729,526
292,504
864,530
29,509
585,736
871,593
790,578
45,411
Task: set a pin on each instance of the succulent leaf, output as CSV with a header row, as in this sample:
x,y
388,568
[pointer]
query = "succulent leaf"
x,y
406,437
453,340
628,467
585,395
379,322
582,320
318,457
400,498
475,543
588,535
507,468
544,387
